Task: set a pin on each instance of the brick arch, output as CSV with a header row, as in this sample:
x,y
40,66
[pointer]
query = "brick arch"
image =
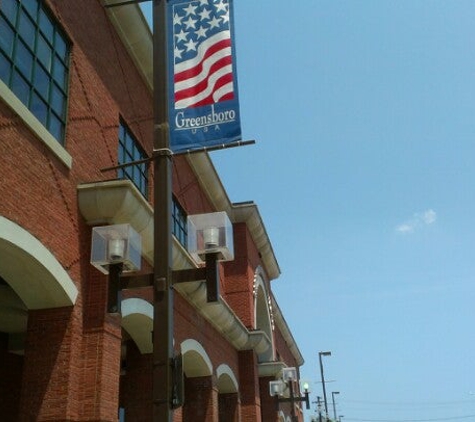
x,y
227,382
32,271
137,320
196,362
262,310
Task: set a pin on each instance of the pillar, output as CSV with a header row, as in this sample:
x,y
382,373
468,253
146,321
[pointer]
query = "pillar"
x,y
249,386
50,374
201,400
136,385
229,410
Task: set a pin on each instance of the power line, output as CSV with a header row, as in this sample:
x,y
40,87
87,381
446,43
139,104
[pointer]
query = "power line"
x,y
432,403
411,420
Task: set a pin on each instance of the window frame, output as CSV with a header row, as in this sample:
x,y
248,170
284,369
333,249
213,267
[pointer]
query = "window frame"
x,y
24,68
130,150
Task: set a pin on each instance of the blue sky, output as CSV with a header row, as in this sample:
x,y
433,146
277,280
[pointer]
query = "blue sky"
x,y
363,171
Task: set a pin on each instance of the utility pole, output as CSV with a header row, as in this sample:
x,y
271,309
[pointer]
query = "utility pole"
x,y
319,408
320,354
163,351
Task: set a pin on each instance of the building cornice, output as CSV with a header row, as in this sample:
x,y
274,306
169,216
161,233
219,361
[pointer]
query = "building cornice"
x,y
238,213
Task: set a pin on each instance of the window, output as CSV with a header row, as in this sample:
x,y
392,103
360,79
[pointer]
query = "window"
x,y
34,61
179,228
129,151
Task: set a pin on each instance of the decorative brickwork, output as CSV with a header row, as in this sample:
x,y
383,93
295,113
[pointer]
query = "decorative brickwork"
x,y
79,364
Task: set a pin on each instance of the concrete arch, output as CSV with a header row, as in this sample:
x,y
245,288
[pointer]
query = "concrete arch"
x,y
196,362
32,271
137,320
227,382
262,314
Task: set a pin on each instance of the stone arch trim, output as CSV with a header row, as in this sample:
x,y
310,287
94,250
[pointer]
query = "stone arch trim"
x,y
196,362
32,270
227,382
263,316
137,320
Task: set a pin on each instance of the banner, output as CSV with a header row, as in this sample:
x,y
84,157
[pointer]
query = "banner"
x,y
203,95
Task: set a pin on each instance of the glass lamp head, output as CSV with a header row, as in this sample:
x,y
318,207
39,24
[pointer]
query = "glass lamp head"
x,y
289,374
276,388
210,233
116,244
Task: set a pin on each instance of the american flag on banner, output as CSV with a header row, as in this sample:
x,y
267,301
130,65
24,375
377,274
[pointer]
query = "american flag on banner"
x,y
203,101
203,70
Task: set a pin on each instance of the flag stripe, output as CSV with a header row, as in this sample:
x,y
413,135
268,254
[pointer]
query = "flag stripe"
x,y
205,49
196,79
226,92
223,93
213,81
183,90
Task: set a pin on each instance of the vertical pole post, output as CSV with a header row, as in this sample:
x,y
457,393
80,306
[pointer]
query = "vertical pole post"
x,y
292,401
334,393
113,294
162,253
212,277
320,354
319,407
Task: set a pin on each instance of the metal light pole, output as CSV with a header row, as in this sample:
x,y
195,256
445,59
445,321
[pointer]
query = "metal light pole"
x,y
334,407
320,354
162,249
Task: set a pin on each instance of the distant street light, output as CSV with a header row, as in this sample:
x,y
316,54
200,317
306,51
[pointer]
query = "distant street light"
x,y
334,407
320,354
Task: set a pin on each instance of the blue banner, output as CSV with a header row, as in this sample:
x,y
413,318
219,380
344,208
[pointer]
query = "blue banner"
x,y
203,94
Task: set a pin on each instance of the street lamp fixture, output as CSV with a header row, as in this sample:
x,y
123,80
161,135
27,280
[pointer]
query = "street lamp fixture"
x,y
210,239
320,354
115,249
210,233
333,401
279,388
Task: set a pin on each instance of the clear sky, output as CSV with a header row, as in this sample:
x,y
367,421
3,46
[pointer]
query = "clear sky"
x,y
364,117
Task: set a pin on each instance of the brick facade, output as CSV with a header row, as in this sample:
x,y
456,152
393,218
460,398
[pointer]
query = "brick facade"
x,y
78,363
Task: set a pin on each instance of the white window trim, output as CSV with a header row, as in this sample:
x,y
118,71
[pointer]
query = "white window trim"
x,y
34,125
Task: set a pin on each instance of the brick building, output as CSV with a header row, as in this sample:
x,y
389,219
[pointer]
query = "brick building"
x,y
75,98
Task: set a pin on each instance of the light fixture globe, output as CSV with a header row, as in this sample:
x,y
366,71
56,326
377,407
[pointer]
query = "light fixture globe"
x,y
116,244
289,374
210,233
276,388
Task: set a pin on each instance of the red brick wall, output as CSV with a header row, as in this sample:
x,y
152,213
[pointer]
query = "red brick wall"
x,y
201,403
48,392
136,385
71,365
229,407
249,385
189,324
239,275
187,190
282,349
269,411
